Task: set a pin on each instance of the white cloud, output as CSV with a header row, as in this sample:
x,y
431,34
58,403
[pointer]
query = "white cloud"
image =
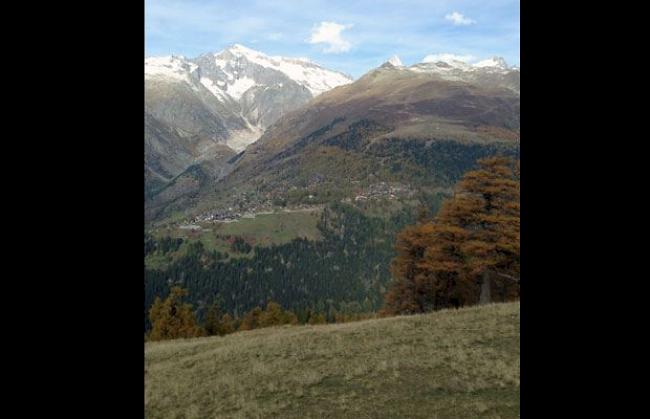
x,y
459,19
446,57
330,33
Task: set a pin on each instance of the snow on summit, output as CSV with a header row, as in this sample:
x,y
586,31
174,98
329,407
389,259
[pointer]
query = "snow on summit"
x,y
461,67
253,88
303,71
231,61
492,62
395,61
169,67
465,62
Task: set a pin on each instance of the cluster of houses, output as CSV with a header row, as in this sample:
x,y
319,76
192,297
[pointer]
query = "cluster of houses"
x,y
219,215
384,190
246,206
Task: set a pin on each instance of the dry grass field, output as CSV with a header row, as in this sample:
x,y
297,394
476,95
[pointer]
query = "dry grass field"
x,y
449,364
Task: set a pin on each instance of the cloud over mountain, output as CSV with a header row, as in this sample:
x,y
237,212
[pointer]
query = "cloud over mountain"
x,y
329,33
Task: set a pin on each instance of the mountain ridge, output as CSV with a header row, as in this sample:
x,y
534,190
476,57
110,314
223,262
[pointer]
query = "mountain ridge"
x,y
255,88
346,133
217,102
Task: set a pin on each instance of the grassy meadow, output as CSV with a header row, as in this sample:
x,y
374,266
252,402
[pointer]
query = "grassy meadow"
x,y
262,230
448,364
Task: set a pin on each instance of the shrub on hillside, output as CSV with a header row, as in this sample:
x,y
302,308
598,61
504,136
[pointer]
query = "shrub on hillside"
x,y
173,319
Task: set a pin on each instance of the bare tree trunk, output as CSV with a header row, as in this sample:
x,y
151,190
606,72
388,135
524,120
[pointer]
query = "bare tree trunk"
x,y
485,298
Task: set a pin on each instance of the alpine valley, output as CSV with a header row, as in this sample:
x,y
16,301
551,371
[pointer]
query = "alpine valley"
x,y
275,178
204,110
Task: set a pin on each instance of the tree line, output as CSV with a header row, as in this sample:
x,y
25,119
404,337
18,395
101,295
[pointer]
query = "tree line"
x,y
174,318
345,272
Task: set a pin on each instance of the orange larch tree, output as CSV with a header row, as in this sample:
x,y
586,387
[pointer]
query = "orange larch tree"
x,y
469,253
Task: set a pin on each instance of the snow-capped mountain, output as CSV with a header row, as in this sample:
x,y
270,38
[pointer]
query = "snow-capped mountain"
x,y
234,62
393,61
252,89
494,62
204,110
171,68
448,63
442,99
492,71
453,67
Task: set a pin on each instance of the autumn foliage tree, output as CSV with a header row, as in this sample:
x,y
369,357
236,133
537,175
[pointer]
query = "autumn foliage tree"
x,y
469,253
251,319
273,315
172,318
317,318
217,323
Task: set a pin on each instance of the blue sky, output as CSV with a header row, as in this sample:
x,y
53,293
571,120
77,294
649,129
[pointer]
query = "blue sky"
x,y
349,36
